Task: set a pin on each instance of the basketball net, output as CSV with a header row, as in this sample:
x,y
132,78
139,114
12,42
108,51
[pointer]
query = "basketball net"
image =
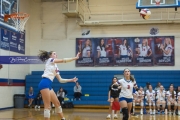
x,y
19,20
158,2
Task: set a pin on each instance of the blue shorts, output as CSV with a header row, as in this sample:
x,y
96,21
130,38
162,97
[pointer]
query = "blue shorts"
x,y
44,84
128,100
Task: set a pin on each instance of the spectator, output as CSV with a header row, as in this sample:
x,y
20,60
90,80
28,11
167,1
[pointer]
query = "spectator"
x,y
146,87
178,99
60,95
30,96
38,100
157,87
77,91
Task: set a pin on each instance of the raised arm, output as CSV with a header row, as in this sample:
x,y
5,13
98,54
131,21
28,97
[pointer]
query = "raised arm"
x,y
65,60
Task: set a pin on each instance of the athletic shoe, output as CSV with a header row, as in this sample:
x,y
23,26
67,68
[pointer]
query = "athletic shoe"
x,y
35,106
141,112
162,112
144,111
39,107
174,113
170,113
151,112
158,112
109,116
154,112
63,119
115,116
134,115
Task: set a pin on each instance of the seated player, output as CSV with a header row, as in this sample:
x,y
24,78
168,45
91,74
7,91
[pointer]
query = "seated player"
x,y
171,99
139,98
113,95
150,98
161,99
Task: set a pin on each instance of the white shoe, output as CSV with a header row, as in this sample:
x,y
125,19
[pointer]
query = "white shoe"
x,y
178,112
169,112
154,112
174,113
141,112
115,116
35,106
150,112
39,107
109,116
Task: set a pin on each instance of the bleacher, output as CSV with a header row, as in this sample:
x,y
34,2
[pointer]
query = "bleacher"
x,y
96,83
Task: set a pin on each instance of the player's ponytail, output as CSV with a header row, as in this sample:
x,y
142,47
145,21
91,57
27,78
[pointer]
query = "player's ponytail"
x,y
44,55
132,78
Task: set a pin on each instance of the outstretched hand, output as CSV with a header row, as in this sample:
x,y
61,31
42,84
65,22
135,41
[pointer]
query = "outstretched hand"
x,y
74,79
77,56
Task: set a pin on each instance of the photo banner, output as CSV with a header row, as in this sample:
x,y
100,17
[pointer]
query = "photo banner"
x,y
126,51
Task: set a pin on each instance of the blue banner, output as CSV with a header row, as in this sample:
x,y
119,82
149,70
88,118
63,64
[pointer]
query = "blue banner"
x,y
5,39
13,41
21,43
20,60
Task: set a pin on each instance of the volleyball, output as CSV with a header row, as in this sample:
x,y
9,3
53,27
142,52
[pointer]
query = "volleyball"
x,y
145,13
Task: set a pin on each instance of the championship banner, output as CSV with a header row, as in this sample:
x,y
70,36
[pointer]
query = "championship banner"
x,y
5,34
86,47
126,51
164,51
14,42
20,60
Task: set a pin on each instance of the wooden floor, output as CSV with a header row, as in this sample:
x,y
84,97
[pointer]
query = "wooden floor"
x,y
73,114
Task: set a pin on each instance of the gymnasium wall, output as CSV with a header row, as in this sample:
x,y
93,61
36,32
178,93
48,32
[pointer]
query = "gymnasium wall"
x,y
14,72
51,30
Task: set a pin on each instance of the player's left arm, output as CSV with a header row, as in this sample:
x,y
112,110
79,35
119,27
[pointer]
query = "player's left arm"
x,y
62,80
166,51
65,60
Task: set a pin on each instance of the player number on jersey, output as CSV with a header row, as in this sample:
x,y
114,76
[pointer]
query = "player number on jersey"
x,y
128,86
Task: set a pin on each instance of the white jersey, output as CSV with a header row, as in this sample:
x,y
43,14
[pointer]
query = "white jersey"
x,y
161,95
126,88
168,94
150,94
102,52
178,95
123,50
51,69
168,47
85,51
139,96
143,50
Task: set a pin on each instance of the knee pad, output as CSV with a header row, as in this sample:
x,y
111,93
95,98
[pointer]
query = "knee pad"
x,y
142,104
46,113
125,113
58,109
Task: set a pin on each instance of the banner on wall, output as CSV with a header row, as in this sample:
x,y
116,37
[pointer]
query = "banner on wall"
x,y
20,60
12,41
126,51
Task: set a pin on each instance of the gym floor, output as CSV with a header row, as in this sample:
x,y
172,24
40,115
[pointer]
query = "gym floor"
x,y
73,114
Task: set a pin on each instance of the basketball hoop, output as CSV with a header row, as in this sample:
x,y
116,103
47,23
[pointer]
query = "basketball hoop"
x,y
158,2
19,19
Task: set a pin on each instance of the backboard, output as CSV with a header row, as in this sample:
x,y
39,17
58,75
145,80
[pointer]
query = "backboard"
x,y
153,4
8,7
